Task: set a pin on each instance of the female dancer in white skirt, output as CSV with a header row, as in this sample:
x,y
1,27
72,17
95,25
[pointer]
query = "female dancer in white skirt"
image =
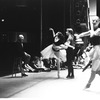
x,y
56,50
95,51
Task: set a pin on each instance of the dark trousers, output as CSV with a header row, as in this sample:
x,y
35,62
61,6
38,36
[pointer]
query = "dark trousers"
x,y
70,69
69,62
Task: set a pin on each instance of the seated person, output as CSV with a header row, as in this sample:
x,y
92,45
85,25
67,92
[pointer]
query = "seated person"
x,y
38,64
47,62
21,53
53,63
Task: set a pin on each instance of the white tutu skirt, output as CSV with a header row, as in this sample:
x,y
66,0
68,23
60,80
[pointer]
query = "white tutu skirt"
x,y
95,55
49,53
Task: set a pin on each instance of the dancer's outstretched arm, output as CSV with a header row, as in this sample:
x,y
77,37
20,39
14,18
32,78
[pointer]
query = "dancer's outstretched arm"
x,y
83,34
89,33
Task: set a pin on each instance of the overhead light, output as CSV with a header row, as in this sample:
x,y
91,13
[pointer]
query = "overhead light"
x,y
2,20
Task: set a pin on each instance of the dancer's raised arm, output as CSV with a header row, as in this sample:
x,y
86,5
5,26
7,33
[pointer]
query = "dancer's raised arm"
x,y
94,23
52,31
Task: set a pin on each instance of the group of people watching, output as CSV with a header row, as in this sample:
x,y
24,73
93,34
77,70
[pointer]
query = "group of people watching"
x,y
36,65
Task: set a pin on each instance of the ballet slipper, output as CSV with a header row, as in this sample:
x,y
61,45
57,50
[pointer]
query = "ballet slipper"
x,y
88,85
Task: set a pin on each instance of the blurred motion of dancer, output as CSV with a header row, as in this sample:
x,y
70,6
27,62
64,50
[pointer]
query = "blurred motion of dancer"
x,y
56,49
95,51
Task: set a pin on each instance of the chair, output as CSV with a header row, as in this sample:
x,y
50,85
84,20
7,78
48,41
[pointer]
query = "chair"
x,y
17,66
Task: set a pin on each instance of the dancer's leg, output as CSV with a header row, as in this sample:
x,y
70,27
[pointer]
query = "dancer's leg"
x,y
93,73
58,68
58,63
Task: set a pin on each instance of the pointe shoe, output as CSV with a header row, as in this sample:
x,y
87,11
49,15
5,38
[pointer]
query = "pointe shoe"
x,y
58,76
88,85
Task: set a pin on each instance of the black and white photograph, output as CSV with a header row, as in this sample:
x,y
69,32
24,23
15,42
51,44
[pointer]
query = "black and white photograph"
x,y
49,49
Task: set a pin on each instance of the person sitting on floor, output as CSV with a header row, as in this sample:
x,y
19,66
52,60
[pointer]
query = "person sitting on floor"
x,y
38,64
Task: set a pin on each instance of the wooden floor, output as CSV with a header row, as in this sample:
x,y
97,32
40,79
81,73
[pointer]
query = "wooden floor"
x,y
46,86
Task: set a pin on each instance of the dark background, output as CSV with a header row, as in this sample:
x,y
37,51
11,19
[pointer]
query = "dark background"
x,y
32,18
98,8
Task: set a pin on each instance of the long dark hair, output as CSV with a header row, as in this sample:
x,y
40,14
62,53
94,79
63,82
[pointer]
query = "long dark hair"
x,y
61,38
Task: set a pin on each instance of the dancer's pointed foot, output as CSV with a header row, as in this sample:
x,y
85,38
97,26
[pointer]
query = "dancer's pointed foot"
x,y
58,76
87,86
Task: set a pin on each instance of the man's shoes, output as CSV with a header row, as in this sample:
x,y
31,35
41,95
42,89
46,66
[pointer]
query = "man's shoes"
x,y
24,75
68,76
72,77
